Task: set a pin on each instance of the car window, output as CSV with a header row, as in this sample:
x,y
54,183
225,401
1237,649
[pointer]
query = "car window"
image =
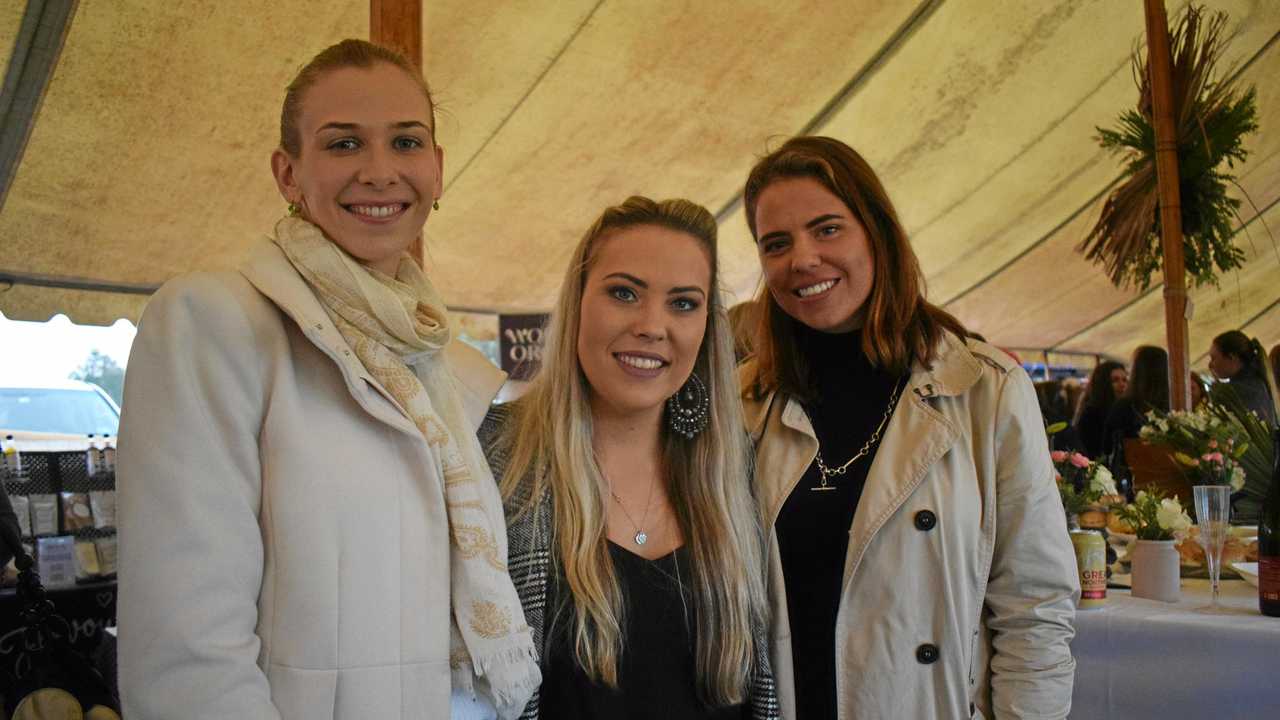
x,y
74,412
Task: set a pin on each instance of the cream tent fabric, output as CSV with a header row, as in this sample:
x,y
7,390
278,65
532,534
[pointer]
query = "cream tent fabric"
x,y
149,155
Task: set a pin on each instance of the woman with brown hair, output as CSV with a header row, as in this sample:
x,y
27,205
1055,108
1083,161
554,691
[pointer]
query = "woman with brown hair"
x,y
1107,382
919,563
634,538
308,525
1148,390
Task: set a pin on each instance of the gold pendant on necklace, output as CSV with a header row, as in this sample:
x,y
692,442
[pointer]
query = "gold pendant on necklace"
x,y
824,486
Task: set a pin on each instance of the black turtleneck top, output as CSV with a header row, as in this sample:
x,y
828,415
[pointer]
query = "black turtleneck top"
x,y
849,401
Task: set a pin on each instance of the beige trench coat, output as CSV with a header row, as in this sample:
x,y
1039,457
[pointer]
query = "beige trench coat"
x,y
283,549
959,544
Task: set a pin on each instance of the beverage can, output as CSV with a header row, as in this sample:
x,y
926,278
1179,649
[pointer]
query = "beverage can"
x,y
1091,561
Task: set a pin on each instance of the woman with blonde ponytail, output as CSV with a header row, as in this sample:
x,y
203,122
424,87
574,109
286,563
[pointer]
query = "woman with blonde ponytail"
x,y
624,470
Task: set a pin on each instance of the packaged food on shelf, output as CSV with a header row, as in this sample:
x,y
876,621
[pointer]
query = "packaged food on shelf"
x,y
103,504
22,508
106,554
75,511
87,566
56,561
44,514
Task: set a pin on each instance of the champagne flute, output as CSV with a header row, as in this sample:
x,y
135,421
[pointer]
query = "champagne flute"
x,y
1213,511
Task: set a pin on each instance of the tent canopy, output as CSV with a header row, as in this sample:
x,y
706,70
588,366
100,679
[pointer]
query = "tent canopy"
x,y
149,155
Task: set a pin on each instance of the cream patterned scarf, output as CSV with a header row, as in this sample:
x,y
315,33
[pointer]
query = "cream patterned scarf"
x,y
389,322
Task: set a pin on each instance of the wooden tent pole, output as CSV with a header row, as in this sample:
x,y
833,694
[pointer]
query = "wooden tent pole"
x,y
397,24
1159,64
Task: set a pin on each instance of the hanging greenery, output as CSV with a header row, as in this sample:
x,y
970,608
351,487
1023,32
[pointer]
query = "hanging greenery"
x,y
1212,117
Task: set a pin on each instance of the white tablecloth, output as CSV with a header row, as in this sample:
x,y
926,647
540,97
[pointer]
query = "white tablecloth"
x,y
1145,659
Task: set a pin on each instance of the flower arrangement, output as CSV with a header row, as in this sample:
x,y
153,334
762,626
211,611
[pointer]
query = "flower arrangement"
x,y
1256,455
1215,468
1213,114
1153,516
1081,481
1202,442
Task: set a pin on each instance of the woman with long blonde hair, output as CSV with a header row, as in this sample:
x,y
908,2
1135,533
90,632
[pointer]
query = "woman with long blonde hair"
x,y
625,474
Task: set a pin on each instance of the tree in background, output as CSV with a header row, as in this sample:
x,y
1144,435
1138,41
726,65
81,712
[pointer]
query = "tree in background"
x,y
102,371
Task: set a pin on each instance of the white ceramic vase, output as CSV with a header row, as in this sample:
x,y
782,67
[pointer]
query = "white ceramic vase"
x,y
1155,567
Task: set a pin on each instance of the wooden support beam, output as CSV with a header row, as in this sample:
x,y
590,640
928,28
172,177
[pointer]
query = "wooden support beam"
x,y
397,24
36,49
1159,66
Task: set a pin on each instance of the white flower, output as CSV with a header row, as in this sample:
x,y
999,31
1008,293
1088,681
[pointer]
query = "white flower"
x,y
1172,518
1237,478
1102,481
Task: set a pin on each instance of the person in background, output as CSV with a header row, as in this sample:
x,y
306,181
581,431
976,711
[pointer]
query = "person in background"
x,y
1072,395
919,562
634,538
1241,361
1199,389
308,527
1148,390
1107,382
1052,401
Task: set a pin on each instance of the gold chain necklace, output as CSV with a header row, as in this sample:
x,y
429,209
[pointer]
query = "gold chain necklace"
x,y
830,472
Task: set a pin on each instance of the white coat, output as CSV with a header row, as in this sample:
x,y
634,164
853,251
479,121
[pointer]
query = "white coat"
x,y
284,554
960,580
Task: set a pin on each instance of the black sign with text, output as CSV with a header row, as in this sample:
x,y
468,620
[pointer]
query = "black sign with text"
x,y
520,339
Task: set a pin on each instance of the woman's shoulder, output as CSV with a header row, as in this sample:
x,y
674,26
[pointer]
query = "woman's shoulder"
x,y
1093,414
994,357
478,379
1123,412
222,306
495,423
210,292
967,366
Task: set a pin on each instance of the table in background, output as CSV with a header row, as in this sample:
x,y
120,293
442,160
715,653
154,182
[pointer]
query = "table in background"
x,y
1140,658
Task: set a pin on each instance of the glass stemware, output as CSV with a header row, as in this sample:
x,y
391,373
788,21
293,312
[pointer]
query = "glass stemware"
x,y
1213,512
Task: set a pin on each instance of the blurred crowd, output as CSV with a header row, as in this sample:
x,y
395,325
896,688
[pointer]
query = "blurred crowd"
x,y
1111,405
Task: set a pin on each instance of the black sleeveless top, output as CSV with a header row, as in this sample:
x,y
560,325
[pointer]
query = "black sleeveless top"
x,y
657,673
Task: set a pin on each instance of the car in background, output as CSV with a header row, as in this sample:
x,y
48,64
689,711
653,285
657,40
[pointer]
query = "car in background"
x,y
63,411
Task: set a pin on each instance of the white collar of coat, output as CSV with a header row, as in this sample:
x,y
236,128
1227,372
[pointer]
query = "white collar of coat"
x,y
270,271
957,365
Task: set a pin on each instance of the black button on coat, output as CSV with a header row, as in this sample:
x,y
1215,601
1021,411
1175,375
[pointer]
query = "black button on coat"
x,y
927,654
926,520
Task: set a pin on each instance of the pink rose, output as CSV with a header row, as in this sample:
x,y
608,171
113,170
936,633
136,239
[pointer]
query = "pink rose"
x,y
1212,457
1058,455
1079,460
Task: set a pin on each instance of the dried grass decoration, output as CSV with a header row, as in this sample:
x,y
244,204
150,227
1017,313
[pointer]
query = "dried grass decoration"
x,y
1212,117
